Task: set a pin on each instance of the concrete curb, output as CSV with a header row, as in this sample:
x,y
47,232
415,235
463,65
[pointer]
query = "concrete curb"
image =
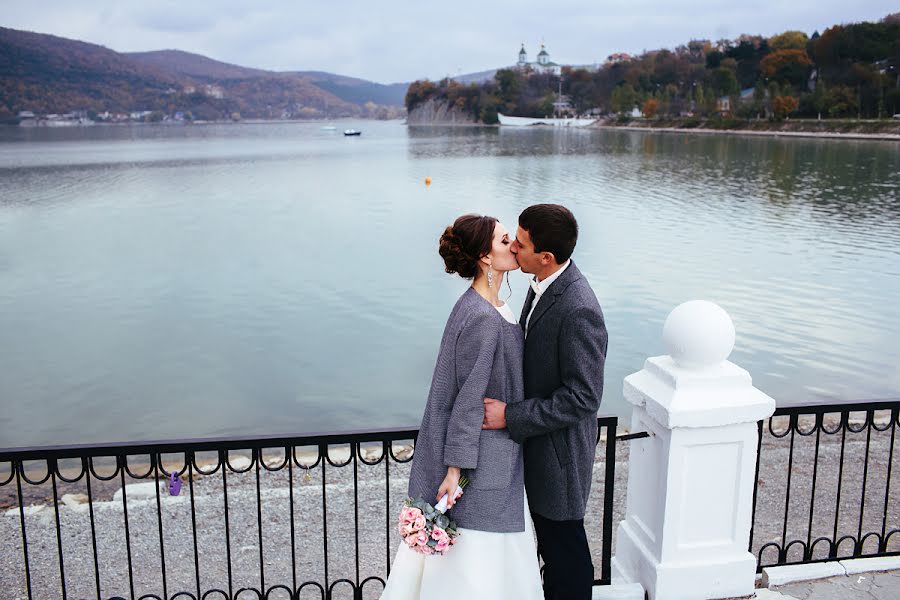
x,y
776,576
618,591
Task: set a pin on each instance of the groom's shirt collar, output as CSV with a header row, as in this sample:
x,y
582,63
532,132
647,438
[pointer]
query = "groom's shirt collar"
x,y
540,287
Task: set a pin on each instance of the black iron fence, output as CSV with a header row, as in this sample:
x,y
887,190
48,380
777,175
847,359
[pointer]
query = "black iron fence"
x,y
270,517
823,484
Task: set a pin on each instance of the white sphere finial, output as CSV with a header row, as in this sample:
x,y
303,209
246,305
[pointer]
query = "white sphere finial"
x,y
698,334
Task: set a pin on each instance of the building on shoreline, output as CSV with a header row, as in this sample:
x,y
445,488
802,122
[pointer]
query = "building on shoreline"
x,y
542,65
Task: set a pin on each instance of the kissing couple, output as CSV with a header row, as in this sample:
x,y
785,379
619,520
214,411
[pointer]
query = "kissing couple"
x,y
513,409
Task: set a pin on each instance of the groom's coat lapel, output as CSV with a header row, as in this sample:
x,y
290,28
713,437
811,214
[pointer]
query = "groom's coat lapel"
x,y
526,308
556,289
543,305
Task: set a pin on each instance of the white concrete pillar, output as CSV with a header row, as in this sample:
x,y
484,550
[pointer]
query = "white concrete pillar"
x,y
690,484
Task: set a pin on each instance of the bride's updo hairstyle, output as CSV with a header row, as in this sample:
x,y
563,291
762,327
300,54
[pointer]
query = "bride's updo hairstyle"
x,y
465,242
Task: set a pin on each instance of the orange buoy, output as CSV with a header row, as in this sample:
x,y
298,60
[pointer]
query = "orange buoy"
x,y
427,180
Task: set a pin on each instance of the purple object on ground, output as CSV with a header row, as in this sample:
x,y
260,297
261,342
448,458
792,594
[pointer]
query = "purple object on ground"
x,y
174,484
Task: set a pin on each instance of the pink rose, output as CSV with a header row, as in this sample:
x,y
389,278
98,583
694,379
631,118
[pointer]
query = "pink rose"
x,y
410,541
427,550
408,514
406,529
442,539
419,523
421,538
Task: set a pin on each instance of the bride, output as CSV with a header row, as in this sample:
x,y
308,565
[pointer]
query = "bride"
x,y
480,356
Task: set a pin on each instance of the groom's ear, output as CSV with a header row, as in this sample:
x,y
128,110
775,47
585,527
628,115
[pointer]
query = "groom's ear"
x,y
547,258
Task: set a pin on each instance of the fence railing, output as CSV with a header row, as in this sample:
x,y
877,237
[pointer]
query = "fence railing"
x,y
309,516
823,484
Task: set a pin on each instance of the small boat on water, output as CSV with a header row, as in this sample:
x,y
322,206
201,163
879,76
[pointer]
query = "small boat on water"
x,y
352,132
549,121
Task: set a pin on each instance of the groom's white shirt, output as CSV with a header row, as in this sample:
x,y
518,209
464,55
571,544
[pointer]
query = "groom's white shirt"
x,y
539,288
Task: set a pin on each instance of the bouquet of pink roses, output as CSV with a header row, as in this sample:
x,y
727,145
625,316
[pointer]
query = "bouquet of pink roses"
x,y
425,528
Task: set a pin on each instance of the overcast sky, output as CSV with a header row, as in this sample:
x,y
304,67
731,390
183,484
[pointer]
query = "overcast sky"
x,y
398,41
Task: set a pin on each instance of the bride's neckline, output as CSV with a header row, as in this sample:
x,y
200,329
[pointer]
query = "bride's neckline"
x,y
474,291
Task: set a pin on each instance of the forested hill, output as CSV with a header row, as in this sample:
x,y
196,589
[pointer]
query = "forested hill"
x,y
349,89
850,70
45,73
48,74
195,66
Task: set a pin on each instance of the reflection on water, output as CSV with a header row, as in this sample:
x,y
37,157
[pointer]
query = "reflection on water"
x,y
239,279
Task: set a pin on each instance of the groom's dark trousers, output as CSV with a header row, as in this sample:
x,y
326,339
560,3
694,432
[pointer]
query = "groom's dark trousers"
x,y
556,423
568,571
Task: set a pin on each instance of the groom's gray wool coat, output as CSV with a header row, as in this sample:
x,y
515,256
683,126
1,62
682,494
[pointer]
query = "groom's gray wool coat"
x,y
565,351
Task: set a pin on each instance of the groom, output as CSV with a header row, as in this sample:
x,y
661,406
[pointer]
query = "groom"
x,y
565,349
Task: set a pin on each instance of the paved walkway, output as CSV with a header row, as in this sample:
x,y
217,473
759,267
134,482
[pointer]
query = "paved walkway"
x,y
865,586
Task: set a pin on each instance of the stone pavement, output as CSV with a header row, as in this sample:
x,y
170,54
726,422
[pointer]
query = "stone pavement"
x,y
866,586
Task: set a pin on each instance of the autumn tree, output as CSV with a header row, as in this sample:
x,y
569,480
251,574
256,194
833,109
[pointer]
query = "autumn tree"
x,y
650,108
418,92
624,98
791,66
789,40
783,106
841,101
724,82
510,86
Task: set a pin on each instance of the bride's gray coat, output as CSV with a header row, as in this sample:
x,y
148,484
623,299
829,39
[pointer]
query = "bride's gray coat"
x,y
481,355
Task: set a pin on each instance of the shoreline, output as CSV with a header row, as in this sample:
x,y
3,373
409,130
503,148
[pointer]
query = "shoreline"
x,y
889,137
850,135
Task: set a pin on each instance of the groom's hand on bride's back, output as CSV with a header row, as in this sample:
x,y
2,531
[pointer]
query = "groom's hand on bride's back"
x,y
494,414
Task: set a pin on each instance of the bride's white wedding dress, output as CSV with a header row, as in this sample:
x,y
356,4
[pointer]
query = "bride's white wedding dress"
x,y
481,565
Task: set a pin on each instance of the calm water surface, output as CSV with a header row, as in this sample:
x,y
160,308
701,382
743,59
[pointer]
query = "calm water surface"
x,y
160,282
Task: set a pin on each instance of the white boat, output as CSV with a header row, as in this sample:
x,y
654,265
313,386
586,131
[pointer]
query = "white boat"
x,y
548,121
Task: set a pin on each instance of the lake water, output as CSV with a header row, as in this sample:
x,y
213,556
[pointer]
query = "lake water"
x,y
162,282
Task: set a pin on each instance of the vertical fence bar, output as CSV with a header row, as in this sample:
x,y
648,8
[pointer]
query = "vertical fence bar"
x,y
156,460
792,423
845,418
19,466
189,458
323,450
812,493
52,464
387,506
610,482
223,455
289,453
86,463
756,489
870,418
887,486
257,454
123,461
355,448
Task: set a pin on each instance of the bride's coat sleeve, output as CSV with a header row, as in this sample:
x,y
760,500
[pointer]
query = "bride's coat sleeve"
x,y
474,353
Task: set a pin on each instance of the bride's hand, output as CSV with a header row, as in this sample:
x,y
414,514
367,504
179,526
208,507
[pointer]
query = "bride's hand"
x,y
449,485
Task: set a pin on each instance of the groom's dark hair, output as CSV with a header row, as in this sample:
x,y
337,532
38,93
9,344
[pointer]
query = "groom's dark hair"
x,y
552,228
